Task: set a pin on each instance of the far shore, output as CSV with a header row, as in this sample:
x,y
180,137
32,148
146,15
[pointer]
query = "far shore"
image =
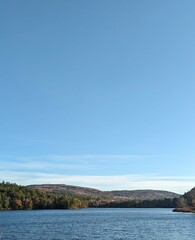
x,y
184,210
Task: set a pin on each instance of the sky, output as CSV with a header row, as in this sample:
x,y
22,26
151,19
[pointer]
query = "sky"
x,y
98,93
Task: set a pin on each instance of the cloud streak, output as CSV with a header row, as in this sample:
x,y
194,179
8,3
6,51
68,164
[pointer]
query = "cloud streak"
x,y
60,162
76,157
114,182
87,170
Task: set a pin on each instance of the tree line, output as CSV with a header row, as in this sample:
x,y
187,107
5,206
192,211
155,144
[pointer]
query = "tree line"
x,y
15,197
156,203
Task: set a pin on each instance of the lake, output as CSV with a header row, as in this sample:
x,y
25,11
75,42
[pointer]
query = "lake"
x,y
89,224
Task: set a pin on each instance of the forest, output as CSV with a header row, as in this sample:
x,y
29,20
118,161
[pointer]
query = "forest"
x,y
15,197
156,203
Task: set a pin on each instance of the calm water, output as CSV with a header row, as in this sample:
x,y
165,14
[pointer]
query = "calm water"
x,y
89,224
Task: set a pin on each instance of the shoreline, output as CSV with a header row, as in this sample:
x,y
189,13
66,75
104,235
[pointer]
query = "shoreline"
x,y
184,210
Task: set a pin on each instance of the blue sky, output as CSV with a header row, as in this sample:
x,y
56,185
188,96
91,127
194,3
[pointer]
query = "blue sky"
x,y
98,93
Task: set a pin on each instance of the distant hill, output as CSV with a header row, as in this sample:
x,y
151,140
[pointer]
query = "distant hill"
x,y
15,197
71,190
186,203
123,195
48,196
143,194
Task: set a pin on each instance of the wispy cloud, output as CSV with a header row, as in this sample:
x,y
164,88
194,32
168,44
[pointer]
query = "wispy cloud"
x,y
87,170
68,162
121,182
40,165
76,157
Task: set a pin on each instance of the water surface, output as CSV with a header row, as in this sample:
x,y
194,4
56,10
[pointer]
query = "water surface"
x,y
89,224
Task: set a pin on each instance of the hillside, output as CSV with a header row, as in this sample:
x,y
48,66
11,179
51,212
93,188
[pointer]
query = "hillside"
x,y
15,197
143,194
186,203
123,195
